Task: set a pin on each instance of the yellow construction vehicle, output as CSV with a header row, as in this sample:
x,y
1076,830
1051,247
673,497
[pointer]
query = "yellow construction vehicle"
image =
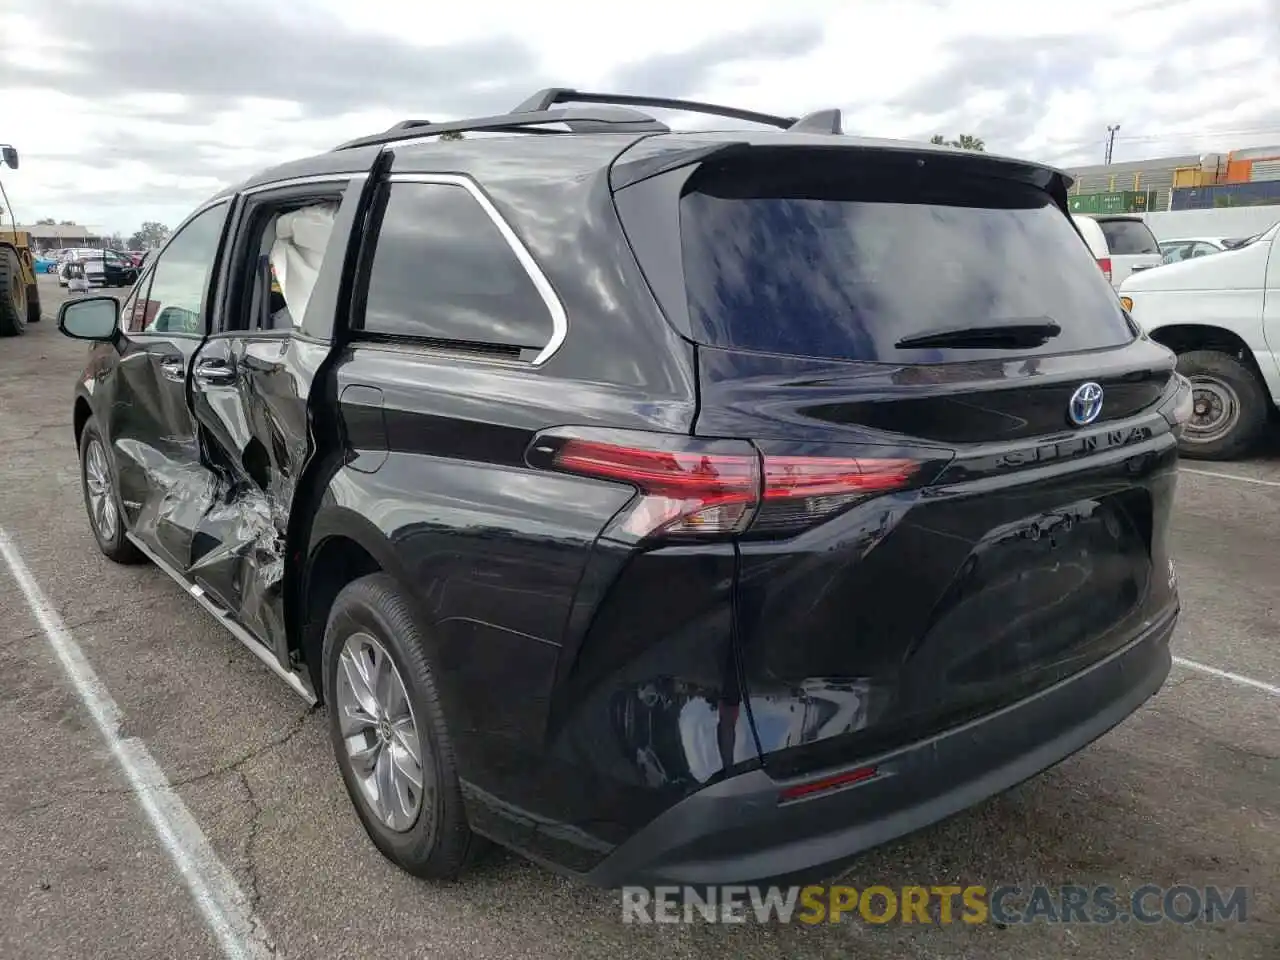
x,y
19,295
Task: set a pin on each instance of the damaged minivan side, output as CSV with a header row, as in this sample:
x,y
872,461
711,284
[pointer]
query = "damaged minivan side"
x,y
636,499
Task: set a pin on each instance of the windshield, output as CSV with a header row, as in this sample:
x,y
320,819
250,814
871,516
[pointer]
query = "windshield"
x,y
817,259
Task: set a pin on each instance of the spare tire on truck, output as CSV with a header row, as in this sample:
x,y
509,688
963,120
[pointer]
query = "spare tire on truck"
x,y
14,309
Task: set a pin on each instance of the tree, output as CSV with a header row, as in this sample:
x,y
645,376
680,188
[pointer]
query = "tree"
x,y
46,222
452,135
150,234
965,142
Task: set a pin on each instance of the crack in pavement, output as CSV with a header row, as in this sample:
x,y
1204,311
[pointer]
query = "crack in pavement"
x,y
251,865
234,766
296,727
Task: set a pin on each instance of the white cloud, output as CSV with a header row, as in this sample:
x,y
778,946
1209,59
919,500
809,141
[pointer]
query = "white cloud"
x,y
136,110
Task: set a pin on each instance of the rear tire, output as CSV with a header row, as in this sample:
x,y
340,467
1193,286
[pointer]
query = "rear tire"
x,y
1231,406
101,502
13,295
432,839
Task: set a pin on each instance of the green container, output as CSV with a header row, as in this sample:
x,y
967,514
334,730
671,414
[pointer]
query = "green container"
x,y
1121,201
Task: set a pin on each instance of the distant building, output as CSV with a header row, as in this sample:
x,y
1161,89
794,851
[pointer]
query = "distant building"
x,y
54,236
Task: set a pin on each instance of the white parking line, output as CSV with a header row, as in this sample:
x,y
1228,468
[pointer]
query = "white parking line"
x,y
1229,476
1237,678
222,903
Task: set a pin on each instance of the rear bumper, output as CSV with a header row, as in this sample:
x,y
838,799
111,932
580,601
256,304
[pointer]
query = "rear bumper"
x,y
736,831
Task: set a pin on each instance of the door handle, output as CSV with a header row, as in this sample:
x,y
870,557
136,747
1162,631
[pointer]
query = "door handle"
x,y
174,368
215,372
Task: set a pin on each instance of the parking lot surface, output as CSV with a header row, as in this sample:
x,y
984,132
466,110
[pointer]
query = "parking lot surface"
x,y
1185,791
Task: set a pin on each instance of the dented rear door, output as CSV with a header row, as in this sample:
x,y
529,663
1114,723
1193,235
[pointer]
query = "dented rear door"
x,y
252,383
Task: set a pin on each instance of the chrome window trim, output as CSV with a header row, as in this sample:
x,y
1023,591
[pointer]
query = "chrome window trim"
x,y
559,318
316,178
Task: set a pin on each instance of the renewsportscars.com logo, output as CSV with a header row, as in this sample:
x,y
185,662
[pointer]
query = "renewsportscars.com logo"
x,y
1007,905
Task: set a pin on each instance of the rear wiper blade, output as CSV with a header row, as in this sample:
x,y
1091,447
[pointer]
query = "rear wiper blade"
x,y
996,336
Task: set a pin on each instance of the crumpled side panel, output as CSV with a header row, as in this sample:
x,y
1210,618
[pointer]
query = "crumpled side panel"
x,y
180,492
239,550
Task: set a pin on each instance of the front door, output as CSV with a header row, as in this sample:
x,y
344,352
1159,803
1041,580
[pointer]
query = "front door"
x,y
148,423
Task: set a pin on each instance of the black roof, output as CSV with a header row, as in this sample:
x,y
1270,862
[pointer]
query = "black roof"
x,y
542,114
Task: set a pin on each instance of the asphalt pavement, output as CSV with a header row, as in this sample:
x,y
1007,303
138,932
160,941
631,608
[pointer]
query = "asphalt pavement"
x,y
1185,791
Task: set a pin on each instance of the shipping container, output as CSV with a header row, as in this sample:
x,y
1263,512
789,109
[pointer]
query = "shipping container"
x,y
1122,201
1255,194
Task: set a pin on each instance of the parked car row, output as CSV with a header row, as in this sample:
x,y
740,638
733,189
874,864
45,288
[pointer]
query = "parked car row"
x,y
1188,248
102,267
1121,244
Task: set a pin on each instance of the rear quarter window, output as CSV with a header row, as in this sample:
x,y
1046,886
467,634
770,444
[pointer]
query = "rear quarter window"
x,y
829,259
442,271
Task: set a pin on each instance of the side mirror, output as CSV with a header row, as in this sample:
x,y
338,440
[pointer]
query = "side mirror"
x,y
10,155
90,318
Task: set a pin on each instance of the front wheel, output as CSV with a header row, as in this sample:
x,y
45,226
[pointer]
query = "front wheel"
x,y
388,732
1230,406
101,502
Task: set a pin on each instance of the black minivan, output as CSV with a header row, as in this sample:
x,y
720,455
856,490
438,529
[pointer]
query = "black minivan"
x,y
669,507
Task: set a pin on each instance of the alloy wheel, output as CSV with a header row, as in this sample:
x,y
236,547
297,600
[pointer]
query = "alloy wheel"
x,y
380,732
102,502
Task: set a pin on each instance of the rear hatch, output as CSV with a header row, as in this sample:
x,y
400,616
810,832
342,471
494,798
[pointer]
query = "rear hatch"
x,y
93,265
967,450
1132,244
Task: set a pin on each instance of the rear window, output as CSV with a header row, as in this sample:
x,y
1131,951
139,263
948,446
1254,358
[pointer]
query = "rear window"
x,y
1129,238
825,259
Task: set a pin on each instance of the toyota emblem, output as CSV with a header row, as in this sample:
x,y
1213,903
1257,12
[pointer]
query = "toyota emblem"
x,y
1086,404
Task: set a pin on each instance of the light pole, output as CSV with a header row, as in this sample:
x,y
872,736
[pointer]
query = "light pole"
x,y
1111,141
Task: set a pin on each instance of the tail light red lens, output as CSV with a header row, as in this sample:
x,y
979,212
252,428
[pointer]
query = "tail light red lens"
x,y
1105,264
684,492
692,487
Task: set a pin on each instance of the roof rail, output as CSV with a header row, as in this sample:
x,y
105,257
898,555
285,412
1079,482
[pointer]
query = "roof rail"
x,y
612,120
546,99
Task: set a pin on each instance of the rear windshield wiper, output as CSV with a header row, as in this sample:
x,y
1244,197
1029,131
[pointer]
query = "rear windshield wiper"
x,y
995,336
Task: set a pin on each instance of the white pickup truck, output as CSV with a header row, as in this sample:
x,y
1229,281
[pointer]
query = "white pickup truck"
x,y
1221,316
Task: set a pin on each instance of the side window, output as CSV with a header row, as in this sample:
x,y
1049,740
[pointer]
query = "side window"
x,y
442,270
175,296
283,254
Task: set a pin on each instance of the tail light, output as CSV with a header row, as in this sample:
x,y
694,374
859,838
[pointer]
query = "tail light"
x,y
689,487
1105,264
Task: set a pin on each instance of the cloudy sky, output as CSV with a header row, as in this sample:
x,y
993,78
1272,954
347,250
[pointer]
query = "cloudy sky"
x,y
137,109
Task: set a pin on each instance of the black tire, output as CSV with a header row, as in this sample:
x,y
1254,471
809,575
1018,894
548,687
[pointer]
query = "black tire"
x,y
1221,382
13,295
33,304
117,546
439,845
